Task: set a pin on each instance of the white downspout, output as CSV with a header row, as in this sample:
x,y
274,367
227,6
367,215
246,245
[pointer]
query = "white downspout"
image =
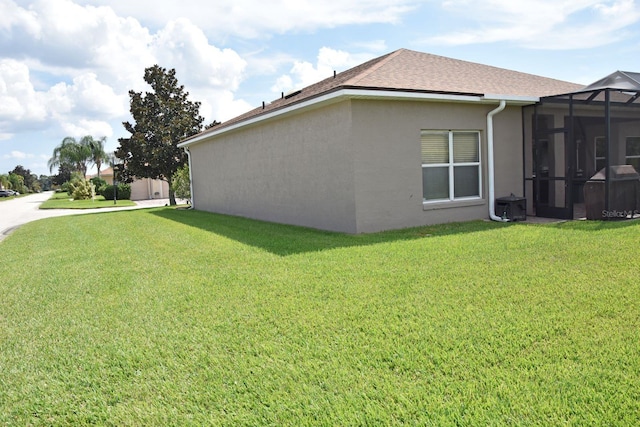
x,y
492,208
186,150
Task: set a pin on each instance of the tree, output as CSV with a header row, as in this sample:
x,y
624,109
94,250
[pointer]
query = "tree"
x,y
98,155
182,183
162,118
17,183
64,175
28,178
72,154
5,184
212,124
45,182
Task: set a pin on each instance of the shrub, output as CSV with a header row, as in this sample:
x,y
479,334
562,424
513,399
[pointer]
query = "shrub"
x,y
98,183
181,183
81,189
124,192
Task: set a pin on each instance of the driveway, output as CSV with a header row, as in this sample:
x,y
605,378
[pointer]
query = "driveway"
x,y
15,212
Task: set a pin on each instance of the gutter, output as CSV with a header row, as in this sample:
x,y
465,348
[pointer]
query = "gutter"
x,y
186,150
492,202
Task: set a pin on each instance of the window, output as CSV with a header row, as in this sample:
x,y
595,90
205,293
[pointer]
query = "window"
x,y
601,153
633,152
450,165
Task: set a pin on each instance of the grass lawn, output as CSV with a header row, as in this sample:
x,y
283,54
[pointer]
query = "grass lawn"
x,y
4,199
177,317
64,201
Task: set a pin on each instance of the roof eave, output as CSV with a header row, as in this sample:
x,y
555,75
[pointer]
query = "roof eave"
x,y
365,93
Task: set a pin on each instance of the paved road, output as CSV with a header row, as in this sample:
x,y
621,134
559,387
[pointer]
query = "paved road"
x,y
15,212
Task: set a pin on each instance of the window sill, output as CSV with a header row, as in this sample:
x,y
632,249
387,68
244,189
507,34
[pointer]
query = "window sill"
x,y
430,206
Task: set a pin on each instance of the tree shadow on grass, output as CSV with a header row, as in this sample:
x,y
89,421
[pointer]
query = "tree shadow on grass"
x,y
282,239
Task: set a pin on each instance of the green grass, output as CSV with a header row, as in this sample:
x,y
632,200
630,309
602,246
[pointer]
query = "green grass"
x,y
177,317
64,201
4,199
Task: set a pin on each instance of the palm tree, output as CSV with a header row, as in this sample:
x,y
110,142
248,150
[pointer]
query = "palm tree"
x,y
73,154
98,155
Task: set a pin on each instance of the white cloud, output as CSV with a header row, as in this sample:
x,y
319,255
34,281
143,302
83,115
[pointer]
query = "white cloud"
x,y
184,46
11,14
259,19
18,99
87,58
543,24
221,105
19,155
283,84
82,127
304,73
86,97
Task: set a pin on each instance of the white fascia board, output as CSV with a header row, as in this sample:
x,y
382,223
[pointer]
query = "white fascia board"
x,y
400,95
360,94
512,99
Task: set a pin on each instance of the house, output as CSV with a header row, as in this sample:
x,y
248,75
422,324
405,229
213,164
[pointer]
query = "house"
x,y
141,188
406,139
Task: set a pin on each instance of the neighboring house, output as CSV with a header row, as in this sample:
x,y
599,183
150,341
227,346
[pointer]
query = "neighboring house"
x,y
406,139
141,188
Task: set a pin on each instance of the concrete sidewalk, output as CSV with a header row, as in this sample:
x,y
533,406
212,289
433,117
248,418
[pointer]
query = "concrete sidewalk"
x,y
19,211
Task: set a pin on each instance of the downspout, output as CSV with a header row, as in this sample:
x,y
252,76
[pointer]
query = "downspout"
x,y
186,150
492,207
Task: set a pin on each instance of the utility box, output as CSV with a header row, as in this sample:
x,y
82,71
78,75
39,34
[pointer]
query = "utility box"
x,y
512,207
624,193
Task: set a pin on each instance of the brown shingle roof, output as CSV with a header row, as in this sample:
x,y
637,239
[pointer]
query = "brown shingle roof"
x,y
407,70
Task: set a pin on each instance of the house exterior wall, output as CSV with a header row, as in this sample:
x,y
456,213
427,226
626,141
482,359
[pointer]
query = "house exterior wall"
x,y
388,171
296,170
146,188
141,188
353,166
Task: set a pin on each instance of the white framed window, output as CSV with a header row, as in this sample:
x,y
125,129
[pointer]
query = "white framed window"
x,y
632,153
450,165
600,150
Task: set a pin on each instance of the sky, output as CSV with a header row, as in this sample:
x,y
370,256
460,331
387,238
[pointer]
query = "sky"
x,y
67,66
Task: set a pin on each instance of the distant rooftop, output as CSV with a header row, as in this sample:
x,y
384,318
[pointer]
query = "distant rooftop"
x,y
621,80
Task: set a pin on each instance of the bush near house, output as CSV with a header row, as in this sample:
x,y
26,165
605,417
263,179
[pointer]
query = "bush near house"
x,y
98,183
123,193
81,189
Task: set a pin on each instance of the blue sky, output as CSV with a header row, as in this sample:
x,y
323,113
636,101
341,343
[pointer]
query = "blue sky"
x,y
66,66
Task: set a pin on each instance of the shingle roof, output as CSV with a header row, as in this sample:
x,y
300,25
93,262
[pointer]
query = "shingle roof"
x,y
407,70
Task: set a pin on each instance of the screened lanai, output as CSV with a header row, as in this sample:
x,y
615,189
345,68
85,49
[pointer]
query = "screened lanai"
x,y
582,151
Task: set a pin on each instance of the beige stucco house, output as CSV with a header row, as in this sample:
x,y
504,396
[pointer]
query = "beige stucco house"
x,y
406,139
141,188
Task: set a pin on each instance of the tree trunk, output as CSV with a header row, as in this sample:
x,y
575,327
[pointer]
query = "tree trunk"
x,y
172,194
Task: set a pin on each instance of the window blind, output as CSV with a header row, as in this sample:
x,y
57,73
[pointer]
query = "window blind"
x,y
435,147
465,147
